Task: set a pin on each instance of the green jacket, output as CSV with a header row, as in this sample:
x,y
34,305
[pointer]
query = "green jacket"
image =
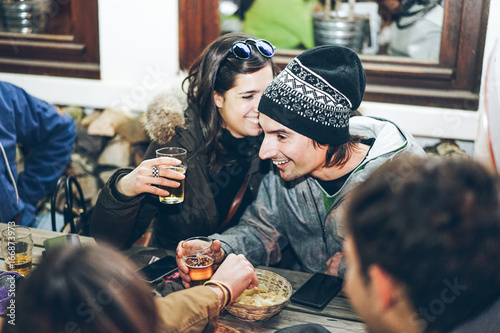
x,y
287,24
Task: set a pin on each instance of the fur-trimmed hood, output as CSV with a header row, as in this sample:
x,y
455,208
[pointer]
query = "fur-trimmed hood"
x,y
165,113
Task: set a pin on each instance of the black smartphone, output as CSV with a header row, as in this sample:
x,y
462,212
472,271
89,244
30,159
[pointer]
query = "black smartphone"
x,y
318,291
159,268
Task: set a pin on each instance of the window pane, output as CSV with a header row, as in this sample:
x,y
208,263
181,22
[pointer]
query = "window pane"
x,y
374,27
35,17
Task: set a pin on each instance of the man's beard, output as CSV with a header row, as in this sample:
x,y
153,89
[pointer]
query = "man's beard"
x,y
290,175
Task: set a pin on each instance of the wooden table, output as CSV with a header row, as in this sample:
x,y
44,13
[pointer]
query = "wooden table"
x,y
337,316
39,236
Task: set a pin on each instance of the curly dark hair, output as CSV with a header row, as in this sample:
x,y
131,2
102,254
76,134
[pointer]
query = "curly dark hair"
x,y
432,224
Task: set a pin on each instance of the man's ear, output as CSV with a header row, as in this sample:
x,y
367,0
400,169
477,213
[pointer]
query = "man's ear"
x,y
218,99
384,286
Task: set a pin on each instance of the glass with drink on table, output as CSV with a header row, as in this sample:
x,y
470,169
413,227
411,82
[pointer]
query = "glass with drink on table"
x,y
17,249
200,258
176,193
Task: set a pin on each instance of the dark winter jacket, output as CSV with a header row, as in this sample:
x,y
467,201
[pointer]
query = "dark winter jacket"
x,y
122,222
488,321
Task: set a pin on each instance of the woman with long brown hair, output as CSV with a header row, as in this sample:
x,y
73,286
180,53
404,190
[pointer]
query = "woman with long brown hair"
x,y
95,289
220,131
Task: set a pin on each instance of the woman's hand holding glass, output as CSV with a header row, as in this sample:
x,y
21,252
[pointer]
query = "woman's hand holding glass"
x,y
143,180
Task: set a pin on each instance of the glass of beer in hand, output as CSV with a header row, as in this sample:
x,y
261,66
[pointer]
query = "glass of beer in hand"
x,y
17,249
176,193
200,258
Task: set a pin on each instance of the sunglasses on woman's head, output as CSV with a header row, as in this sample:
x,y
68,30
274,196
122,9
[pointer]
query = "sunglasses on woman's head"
x,y
242,50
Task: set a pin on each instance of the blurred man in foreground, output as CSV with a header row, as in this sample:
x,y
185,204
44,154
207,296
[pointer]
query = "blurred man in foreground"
x,y
423,247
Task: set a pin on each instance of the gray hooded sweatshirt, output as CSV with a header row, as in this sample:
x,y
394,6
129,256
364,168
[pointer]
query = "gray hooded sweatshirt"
x,y
293,213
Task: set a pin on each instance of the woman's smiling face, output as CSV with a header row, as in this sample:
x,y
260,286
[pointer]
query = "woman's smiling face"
x,y
238,106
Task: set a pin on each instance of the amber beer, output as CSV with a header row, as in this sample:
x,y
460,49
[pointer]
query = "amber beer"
x,y
17,248
21,263
176,193
199,257
201,269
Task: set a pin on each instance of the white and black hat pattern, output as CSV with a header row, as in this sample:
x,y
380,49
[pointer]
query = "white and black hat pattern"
x,y
315,94
302,91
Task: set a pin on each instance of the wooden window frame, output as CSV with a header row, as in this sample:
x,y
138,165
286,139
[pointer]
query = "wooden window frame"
x,y
454,82
74,53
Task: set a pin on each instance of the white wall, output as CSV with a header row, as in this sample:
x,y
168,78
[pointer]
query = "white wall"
x,y
483,149
133,72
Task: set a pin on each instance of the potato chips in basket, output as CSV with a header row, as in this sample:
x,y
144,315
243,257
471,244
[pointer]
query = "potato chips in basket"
x,y
264,301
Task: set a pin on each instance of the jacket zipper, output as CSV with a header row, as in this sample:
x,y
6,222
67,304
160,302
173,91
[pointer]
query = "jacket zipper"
x,y
322,222
10,172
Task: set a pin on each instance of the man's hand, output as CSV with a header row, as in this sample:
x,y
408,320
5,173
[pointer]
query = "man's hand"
x,y
332,264
184,270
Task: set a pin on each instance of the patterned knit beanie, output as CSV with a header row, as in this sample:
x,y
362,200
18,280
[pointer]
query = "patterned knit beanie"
x,y
315,94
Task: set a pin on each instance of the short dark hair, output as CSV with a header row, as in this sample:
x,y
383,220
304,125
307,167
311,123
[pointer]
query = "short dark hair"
x,y
432,224
94,289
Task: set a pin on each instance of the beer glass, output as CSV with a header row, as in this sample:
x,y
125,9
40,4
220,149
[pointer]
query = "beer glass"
x,y
176,193
17,249
200,258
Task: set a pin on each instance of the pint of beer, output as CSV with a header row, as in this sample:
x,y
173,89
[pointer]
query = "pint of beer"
x,y
176,193
200,258
201,269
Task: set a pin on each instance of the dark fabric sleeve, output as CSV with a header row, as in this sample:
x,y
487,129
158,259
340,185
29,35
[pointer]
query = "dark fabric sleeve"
x,y
117,222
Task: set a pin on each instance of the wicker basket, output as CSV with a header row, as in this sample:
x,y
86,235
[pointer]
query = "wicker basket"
x,y
271,282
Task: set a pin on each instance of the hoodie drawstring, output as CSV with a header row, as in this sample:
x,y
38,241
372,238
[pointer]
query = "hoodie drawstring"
x,y
10,172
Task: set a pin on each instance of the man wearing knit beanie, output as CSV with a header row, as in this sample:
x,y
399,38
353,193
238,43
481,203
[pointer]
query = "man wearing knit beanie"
x,y
320,152
316,93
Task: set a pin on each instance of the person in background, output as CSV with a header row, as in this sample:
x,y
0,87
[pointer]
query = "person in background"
x,y
221,134
286,23
423,247
416,28
320,153
48,135
95,289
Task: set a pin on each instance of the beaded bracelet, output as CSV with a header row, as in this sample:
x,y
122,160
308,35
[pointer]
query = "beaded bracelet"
x,y
227,298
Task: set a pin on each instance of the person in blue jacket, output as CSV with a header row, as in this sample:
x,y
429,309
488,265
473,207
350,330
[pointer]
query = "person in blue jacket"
x,y
50,136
